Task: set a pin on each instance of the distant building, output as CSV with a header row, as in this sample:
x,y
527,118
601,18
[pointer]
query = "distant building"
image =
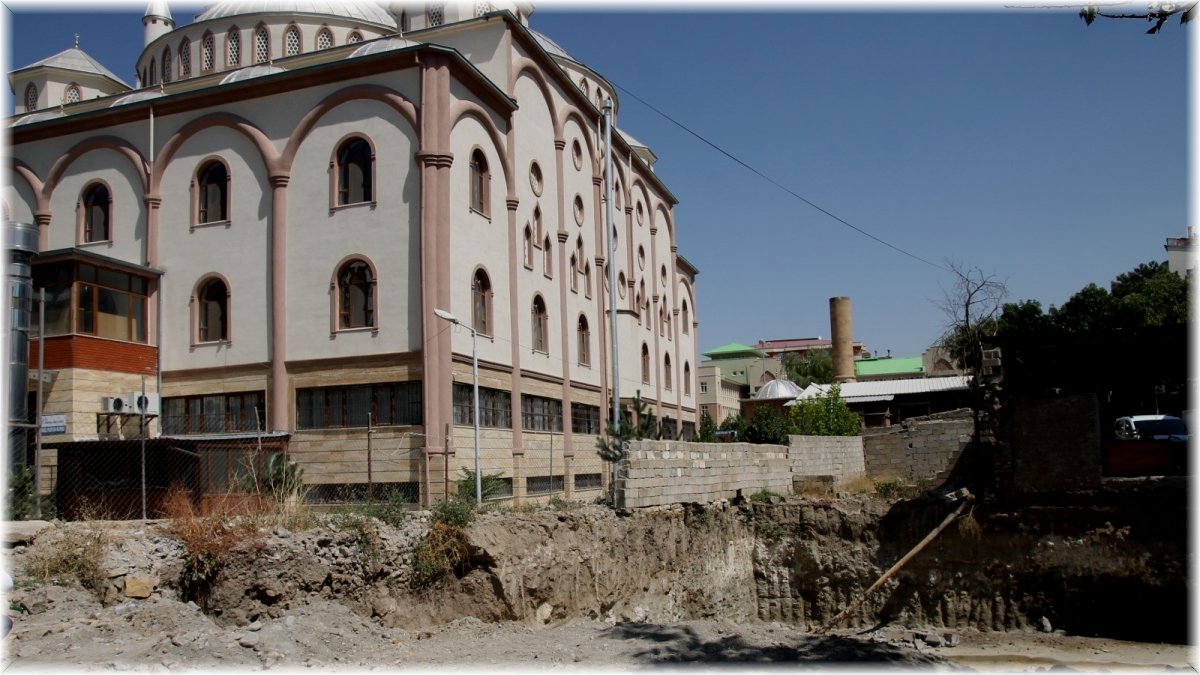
x,y
882,403
733,372
778,349
719,395
888,368
1181,257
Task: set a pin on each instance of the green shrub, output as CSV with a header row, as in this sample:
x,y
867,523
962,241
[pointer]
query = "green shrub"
x,y
825,416
23,499
490,486
454,512
768,425
764,496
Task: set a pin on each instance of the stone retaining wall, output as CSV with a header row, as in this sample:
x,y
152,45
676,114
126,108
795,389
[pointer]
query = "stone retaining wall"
x,y
660,473
920,447
839,457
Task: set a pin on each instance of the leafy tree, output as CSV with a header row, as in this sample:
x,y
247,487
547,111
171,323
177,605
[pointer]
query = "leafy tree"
x,y
814,366
769,424
708,428
491,485
737,424
826,415
613,446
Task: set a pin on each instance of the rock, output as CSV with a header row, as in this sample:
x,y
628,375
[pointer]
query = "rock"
x,y
544,612
950,639
139,587
930,639
23,532
1044,626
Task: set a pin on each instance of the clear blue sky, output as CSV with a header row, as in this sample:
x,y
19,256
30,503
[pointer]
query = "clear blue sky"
x,y
1024,143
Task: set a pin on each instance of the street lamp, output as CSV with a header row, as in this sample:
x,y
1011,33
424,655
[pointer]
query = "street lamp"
x,y
443,314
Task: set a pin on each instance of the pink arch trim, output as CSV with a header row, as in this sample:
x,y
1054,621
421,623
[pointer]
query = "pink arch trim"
x,y
464,109
369,91
118,145
220,119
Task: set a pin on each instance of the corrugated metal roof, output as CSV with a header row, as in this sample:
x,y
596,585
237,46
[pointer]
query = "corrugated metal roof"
x,y
920,385
888,366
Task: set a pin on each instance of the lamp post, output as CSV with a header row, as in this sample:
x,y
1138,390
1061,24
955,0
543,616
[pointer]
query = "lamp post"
x,y
443,314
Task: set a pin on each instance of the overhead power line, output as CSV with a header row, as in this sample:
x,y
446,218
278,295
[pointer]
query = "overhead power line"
x,y
779,185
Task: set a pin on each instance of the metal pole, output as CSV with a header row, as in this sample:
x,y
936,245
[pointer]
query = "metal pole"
x,y
370,478
142,414
475,380
612,272
37,452
551,463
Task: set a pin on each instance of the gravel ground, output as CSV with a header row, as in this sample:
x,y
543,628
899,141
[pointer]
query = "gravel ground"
x,y
67,629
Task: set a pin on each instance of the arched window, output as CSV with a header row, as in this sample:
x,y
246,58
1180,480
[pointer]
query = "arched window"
x,y
667,372
262,45
97,213
437,13
685,322
479,182
354,38
645,364
687,379
153,73
481,303
166,65
208,50
405,23
31,97
324,39
587,279
212,319
185,59
233,48
72,94
482,8
540,325
354,168
291,41
528,247
547,257
574,271
213,198
585,342
356,295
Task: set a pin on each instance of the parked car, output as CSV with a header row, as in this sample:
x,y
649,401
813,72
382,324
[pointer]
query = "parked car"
x,y
1150,428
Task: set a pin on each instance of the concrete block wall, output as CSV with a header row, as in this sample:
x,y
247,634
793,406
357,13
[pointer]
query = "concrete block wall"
x,y
660,473
838,456
919,448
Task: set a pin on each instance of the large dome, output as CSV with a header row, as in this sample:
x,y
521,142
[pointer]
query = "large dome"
x,y
362,10
776,389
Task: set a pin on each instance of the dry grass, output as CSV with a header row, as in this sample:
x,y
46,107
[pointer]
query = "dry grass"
x,y
208,540
443,551
76,556
860,484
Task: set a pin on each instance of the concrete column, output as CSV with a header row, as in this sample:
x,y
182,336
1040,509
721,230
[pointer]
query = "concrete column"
x,y
279,378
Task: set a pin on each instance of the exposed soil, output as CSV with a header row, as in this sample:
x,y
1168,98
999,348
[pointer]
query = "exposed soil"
x,y
588,588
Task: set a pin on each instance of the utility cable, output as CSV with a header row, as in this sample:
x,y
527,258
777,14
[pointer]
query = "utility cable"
x,y
777,184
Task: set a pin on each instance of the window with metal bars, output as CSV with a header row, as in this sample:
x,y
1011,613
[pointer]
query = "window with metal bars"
x,y
539,413
31,97
324,39
233,48
72,95
585,419
207,55
262,45
214,413
495,407
291,41
185,59
166,65
437,13
380,404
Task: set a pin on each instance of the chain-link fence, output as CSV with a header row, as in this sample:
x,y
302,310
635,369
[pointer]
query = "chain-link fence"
x,y
221,465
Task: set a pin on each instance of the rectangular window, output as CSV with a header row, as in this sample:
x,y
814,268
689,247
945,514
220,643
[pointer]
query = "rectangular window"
x,y
688,433
585,419
82,298
587,481
214,414
541,414
495,407
535,485
703,387
380,405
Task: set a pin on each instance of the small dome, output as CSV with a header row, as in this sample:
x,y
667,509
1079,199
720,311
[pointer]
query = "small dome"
x,y
377,46
38,117
776,389
251,72
137,96
549,45
360,10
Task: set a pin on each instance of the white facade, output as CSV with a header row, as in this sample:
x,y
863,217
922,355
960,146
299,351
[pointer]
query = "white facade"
x,y
296,223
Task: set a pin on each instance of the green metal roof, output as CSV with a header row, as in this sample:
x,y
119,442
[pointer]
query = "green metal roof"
x,y
732,350
887,366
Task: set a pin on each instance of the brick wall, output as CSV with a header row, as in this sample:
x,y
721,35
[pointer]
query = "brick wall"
x,y
659,473
840,457
919,448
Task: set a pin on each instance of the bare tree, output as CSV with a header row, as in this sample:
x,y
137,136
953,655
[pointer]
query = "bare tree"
x,y
1156,12
972,306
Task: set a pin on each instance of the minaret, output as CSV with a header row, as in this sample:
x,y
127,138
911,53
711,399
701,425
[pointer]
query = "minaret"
x,y
157,21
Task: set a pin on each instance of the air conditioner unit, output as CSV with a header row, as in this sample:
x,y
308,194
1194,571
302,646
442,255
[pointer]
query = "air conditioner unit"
x,y
113,404
148,403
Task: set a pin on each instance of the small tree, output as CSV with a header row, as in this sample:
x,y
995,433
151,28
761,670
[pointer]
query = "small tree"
x,y
613,446
814,367
826,415
768,425
708,429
